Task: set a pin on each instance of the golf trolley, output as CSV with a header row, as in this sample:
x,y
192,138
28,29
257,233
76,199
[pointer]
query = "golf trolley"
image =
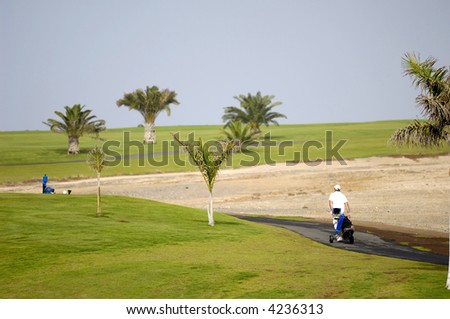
x,y
347,230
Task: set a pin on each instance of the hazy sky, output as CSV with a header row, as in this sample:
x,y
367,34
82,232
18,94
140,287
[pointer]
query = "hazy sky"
x,y
326,60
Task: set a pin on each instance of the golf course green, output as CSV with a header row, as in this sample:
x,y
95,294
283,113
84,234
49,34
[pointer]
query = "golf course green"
x,y
54,246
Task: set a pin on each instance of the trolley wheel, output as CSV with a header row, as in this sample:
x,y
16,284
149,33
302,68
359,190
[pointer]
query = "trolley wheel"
x,y
351,239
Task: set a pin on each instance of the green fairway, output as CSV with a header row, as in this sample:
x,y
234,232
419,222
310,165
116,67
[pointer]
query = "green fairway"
x,y
26,156
53,246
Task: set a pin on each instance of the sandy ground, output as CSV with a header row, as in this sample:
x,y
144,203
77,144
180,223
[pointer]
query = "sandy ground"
x,y
408,192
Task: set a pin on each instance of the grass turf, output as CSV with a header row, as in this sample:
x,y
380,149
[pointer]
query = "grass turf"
x,y
27,155
53,246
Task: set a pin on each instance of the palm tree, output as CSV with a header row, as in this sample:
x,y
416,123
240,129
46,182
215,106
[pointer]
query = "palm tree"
x,y
149,103
240,134
96,160
254,110
76,122
208,159
434,101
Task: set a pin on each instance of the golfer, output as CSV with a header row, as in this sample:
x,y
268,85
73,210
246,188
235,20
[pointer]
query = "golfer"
x,y
339,205
44,182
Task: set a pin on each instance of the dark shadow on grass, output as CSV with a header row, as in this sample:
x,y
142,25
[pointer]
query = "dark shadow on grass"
x,y
228,223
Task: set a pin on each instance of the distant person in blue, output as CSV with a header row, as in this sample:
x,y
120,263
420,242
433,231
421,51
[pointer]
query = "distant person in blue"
x,y
44,183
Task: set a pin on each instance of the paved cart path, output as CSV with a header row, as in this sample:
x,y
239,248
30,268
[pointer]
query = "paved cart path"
x,y
364,242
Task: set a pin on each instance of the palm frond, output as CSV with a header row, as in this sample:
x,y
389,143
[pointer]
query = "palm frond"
x,y
434,102
240,134
96,159
233,113
149,102
208,157
254,110
435,108
76,122
424,75
420,134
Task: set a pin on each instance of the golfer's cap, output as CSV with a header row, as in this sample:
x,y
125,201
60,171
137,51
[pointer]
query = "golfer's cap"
x,y
337,187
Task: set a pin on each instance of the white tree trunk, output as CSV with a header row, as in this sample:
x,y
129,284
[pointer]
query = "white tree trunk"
x,y
448,275
210,210
149,134
99,211
74,147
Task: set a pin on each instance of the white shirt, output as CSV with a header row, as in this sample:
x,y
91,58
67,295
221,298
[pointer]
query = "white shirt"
x,y
338,200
